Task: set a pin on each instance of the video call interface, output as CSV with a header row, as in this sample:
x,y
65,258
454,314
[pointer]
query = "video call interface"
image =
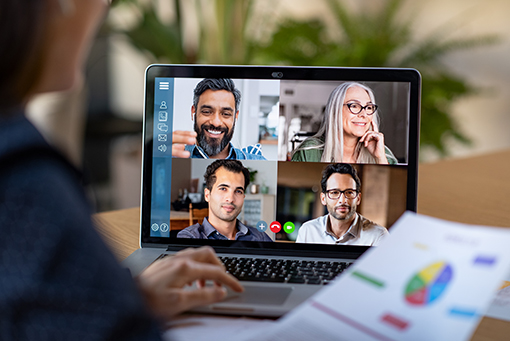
x,y
274,131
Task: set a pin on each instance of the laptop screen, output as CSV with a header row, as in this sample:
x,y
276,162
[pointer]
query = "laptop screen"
x,y
326,157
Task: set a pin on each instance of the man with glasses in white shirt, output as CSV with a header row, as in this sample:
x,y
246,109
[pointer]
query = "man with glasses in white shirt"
x,y
341,194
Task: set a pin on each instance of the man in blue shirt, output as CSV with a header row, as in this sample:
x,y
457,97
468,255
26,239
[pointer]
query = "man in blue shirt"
x,y
226,182
215,111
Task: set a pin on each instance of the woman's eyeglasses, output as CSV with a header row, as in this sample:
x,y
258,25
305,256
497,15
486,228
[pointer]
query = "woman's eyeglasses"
x,y
356,108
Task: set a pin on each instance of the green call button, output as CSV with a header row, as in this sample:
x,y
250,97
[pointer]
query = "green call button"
x,y
289,227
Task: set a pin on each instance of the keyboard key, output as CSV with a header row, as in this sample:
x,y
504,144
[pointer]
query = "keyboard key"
x,y
297,279
314,281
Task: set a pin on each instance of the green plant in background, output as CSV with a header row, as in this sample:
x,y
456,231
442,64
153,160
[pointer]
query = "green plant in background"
x,y
223,38
383,38
163,40
365,38
221,26
253,174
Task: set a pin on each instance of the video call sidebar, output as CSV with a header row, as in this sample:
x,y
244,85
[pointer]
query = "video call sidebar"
x,y
162,157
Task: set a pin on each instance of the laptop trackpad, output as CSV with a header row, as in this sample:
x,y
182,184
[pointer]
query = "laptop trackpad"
x,y
264,295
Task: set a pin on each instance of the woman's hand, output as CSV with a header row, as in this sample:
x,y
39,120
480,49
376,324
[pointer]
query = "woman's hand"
x,y
180,139
374,142
162,283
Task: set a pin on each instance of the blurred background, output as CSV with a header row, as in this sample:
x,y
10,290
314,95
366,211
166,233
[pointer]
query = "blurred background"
x,y
461,48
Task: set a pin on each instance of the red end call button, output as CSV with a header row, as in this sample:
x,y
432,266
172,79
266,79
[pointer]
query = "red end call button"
x,y
275,227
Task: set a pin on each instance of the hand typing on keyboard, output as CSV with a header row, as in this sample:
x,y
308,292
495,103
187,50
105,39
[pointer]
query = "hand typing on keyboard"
x,y
162,284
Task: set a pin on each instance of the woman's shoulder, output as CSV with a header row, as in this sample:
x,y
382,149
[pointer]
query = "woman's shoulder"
x,y
42,178
309,150
312,142
392,160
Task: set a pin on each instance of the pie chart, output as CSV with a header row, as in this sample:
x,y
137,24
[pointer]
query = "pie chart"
x,y
428,284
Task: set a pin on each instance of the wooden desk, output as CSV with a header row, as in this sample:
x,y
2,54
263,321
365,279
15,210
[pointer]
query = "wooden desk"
x,y
121,229
473,190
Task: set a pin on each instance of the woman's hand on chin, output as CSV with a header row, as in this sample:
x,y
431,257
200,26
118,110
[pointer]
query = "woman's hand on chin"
x,y
373,140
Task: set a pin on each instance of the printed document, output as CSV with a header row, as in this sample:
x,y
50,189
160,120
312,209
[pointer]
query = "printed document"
x,y
429,280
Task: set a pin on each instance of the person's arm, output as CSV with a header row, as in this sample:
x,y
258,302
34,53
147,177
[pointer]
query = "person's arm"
x,y
381,236
266,238
301,237
186,233
389,155
162,284
309,151
59,280
299,155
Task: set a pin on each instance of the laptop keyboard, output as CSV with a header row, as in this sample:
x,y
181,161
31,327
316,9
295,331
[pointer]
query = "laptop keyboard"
x,y
283,271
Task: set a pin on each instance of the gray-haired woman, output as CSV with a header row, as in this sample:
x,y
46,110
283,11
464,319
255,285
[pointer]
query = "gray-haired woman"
x,y
349,131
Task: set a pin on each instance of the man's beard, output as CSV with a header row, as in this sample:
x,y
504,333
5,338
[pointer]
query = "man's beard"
x,y
345,216
211,146
224,216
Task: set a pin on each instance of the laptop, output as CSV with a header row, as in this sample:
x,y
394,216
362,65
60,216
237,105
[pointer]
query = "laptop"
x,y
280,108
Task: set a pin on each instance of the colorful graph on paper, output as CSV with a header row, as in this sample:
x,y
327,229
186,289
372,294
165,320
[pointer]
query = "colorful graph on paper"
x,y
428,284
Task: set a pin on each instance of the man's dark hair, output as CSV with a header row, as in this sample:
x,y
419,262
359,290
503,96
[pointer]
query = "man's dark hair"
x,y
233,166
216,84
342,168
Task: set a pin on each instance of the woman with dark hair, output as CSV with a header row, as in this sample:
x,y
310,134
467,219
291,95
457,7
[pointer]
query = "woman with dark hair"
x,y
58,281
349,131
